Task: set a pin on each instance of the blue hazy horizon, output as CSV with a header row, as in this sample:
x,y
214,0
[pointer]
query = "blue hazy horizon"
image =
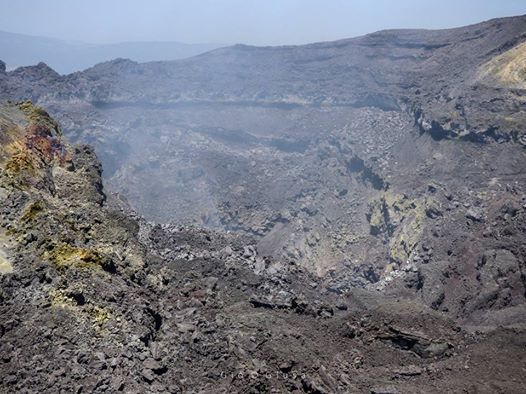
x,y
257,22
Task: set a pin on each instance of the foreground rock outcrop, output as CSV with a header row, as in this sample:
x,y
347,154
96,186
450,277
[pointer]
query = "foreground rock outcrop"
x,y
95,299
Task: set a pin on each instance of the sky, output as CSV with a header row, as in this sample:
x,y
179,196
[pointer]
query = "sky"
x,y
256,22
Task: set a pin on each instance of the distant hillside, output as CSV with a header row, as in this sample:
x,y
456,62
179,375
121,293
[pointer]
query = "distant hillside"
x,y
68,56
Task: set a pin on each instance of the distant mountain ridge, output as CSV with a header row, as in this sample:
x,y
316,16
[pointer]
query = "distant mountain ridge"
x,y
441,77
69,56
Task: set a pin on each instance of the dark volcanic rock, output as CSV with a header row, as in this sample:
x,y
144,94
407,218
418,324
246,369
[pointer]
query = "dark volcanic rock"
x,y
373,190
96,299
